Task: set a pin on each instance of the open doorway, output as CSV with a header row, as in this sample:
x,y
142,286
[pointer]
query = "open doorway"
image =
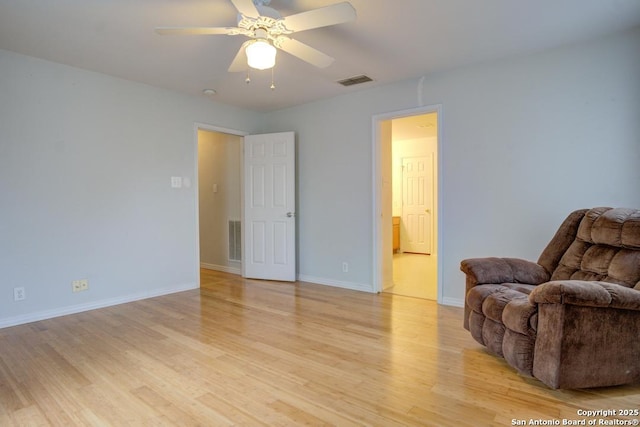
x,y
246,203
219,166
406,147
414,148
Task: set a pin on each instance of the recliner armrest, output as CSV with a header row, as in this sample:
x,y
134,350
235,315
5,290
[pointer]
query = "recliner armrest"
x,y
586,293
504,270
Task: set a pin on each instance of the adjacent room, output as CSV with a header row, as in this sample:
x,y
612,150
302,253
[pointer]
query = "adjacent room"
x,y
194,235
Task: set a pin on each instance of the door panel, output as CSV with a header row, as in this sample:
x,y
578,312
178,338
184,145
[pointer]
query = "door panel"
x,y
269,208
259,243
417,185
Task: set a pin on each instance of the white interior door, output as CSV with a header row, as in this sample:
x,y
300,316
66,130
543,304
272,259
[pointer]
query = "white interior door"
x,y
269,207
417,189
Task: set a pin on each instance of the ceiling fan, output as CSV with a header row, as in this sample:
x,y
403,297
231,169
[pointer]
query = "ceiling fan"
x,y
268,30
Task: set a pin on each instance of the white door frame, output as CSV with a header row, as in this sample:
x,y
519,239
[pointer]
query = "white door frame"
x,y
377,219
207,127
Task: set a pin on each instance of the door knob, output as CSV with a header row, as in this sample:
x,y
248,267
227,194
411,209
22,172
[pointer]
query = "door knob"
x,y
427,210
291,214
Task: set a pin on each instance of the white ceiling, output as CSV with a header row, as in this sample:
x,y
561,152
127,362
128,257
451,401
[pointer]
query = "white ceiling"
x,y
414,127
389,41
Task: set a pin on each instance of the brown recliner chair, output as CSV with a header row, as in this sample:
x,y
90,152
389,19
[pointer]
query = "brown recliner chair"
x,y
571,320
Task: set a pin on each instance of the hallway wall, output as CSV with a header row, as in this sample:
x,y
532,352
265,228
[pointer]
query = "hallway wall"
x,y
219,192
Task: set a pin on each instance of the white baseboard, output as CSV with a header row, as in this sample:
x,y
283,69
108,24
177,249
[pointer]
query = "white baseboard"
x,y
64,311
73,309
454,302
223,268
336,283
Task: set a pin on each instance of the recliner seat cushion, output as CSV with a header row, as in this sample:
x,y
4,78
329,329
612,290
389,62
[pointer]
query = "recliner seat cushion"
x,y
504,321
492,301
494,304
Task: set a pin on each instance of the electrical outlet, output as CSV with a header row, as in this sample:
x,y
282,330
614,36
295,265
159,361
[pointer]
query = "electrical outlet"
x,y
80,285
345,267
19,294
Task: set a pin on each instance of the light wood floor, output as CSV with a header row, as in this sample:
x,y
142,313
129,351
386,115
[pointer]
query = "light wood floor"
x,y
415,275
252,353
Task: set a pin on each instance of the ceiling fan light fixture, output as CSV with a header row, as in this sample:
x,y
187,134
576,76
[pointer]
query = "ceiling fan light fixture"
x,y
261,55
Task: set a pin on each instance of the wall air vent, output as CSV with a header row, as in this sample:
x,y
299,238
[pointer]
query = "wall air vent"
x,y
355,80
235,241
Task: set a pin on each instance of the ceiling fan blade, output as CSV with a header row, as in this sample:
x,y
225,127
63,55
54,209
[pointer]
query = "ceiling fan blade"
x,y
246,8
321,17
305,52
240,61
198,31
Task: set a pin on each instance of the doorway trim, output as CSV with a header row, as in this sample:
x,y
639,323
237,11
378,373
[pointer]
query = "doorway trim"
x,y
212,128
377,184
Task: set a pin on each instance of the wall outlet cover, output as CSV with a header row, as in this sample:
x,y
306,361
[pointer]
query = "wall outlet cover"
x,y
19,294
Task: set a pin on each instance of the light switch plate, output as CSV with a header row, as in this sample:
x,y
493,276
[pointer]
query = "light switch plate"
x,y
176,182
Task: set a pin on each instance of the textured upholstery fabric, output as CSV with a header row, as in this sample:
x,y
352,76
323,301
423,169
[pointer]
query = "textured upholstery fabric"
x,y
519,316
510,272
606,248
564,237
587,346
591,294
572,319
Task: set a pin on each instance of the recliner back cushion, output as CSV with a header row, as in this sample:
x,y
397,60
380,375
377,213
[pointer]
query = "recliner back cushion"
x,y
606,248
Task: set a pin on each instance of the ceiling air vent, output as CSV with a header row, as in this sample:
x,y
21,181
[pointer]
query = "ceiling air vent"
x,y
355,80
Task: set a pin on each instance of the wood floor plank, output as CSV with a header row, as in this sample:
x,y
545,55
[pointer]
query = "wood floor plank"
x,y
240,352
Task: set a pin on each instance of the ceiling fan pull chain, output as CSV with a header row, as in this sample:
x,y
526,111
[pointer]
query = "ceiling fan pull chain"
x,y
273,86
248,79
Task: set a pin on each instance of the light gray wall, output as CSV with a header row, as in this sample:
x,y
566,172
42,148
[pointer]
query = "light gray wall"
x,y
525,141
219,164
85,168
86,160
